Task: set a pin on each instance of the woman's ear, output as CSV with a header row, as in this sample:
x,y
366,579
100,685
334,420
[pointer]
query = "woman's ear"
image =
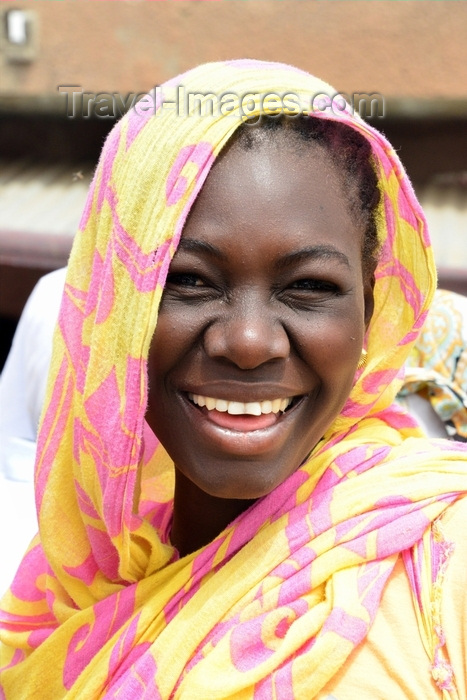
x,y
368,295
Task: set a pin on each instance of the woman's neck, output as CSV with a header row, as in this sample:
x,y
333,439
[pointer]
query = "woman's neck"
x,y
198,517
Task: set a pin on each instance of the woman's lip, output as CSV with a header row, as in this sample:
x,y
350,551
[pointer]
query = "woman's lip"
x,y
243,442
244,422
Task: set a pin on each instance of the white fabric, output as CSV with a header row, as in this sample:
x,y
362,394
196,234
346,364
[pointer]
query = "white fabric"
x,y
22,391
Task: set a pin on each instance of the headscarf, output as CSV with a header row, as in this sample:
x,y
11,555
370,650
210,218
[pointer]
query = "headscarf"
x,y
102,605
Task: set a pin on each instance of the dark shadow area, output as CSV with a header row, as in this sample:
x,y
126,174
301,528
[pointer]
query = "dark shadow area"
x,y
7,330
52,137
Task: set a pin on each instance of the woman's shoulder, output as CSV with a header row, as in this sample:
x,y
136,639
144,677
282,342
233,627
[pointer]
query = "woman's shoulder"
x,y
393,660
455,516
453,530
454,590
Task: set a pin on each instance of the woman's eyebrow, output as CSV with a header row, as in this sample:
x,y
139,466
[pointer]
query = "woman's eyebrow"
x,y
317,252
192,245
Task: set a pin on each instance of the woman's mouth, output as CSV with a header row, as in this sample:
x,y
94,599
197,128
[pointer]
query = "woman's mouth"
x,y
240,416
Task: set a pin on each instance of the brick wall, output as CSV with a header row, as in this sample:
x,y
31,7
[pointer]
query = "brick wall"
x,y
405,49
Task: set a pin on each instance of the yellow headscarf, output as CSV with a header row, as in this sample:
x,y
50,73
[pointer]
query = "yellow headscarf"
x,y
102,606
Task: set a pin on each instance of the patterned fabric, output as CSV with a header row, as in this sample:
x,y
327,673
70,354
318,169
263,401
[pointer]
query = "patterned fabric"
x,y
437,364
102,607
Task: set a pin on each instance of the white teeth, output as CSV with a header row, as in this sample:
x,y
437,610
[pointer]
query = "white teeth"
x,y
253,408
220,405
238,408
235,408
276,405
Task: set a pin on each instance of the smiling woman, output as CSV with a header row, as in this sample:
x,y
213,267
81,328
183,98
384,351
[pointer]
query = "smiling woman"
x,y
260,328
231,505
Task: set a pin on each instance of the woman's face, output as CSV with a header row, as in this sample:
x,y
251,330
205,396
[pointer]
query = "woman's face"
x,y
262,320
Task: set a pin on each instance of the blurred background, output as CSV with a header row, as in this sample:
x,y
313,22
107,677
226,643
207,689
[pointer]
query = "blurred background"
x,y
413,53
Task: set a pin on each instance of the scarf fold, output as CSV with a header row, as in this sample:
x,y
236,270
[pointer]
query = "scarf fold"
x,y
102,606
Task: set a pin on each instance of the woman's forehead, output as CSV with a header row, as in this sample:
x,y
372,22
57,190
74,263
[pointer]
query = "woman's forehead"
x,y
294,197
273,169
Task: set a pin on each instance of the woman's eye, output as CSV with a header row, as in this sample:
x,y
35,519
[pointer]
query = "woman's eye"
x,y
185,280
311,285
309,293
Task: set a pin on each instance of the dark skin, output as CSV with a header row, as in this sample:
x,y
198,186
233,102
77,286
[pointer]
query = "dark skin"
x,y
266,304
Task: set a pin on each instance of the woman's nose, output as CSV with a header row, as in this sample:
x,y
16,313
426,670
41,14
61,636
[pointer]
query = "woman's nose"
x,y
248,336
